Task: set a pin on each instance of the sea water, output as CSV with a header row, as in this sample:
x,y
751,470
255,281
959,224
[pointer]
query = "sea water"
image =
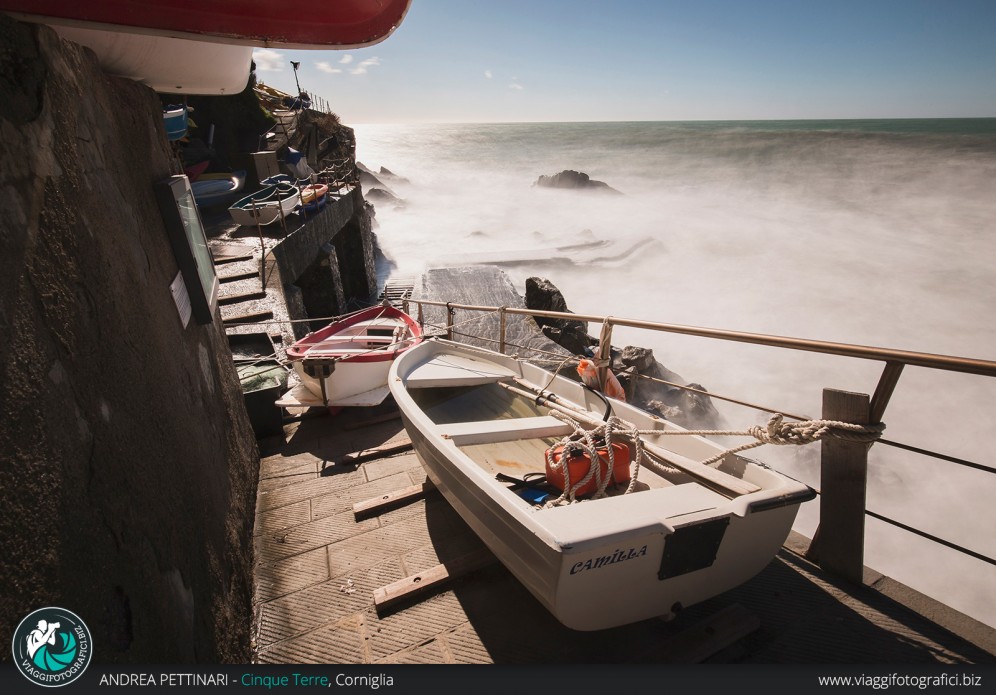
x,y
879,232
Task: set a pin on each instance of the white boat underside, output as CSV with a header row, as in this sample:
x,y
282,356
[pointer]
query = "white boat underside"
x,y
167,64
599,563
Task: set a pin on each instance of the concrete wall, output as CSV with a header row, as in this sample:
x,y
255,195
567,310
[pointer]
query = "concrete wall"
x,y
328,260
127,464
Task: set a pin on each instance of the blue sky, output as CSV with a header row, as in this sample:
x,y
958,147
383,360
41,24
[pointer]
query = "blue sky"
x,y
635,60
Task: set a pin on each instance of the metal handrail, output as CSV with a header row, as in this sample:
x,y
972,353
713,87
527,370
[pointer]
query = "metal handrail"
x,y
916,359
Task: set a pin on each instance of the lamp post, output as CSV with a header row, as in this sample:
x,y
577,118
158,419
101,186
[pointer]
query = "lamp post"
x,y
296,65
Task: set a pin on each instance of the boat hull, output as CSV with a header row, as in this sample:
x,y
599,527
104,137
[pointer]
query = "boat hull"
x,y
347,362
239,22
599,563
271,204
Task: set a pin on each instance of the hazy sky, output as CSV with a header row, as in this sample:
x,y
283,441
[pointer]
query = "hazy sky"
x,y
581,60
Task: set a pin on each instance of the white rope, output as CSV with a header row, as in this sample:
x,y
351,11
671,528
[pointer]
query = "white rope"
x,y
775,432
782,433
610,432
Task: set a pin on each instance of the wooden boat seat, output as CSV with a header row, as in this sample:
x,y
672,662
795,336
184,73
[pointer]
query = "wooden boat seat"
x,y
506,430
347,345
456,370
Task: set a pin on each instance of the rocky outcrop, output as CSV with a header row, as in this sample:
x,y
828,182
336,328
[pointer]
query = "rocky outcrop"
x,y
543,295
376,189
638,371
389,175
571,179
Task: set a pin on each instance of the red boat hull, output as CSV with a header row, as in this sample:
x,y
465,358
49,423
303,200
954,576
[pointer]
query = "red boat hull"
x,y
328,24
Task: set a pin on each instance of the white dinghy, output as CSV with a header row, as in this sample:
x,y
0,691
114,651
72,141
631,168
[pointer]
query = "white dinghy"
x,y
646,541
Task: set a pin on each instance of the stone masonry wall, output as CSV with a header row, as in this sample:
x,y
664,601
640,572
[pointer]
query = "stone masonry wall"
x,y
128,467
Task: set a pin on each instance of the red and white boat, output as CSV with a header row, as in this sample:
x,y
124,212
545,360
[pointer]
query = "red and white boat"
x,y
347,362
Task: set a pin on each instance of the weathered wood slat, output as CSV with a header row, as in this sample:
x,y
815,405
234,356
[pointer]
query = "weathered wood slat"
x,y
432,579
375,453
231,259
376,505
236,298
248,318
232,277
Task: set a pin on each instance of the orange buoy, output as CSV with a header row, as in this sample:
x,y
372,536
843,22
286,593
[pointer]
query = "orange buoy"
x,y
580,462
589,375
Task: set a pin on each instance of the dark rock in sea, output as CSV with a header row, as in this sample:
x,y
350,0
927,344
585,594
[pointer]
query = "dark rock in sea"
x,y
638,371
486,285
386,173
381,195
370,180
573,180
543,295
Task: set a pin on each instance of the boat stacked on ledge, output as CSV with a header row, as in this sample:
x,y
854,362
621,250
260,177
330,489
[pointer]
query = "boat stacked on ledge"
x,y
313,197
347,362
650,529
271,203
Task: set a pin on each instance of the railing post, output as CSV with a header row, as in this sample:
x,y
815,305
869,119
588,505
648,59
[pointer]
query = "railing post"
x,y
501,330
449,321
839,542
604,352
883,392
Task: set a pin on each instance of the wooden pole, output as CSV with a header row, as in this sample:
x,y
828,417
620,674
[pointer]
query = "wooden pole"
x,y
839,543
604,352
502,318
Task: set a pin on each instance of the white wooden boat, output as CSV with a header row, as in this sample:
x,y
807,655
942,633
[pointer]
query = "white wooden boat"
x,y
681,535
217,189
266,206
346,363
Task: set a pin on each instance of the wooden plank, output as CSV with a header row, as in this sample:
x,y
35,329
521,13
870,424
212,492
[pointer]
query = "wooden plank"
x,y
708,637
491,431
409,588
231,259
236,298
378,452
843,483
232,277
376,505
248,318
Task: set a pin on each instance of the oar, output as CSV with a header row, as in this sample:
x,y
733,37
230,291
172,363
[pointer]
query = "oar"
x,y
723,483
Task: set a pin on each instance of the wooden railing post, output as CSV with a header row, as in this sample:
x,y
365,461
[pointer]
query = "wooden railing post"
x,y
501,330
604,352
839,543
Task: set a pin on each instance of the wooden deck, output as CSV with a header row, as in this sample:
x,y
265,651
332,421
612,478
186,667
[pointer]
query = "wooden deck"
x,y
318,567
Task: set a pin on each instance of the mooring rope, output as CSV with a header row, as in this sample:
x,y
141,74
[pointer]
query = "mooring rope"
x,y
782,433
775,432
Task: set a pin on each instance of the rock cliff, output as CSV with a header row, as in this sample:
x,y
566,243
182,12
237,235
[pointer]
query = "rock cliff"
x,y
128,477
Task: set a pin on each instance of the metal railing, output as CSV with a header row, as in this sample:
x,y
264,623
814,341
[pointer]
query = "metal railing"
x,y
843,465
